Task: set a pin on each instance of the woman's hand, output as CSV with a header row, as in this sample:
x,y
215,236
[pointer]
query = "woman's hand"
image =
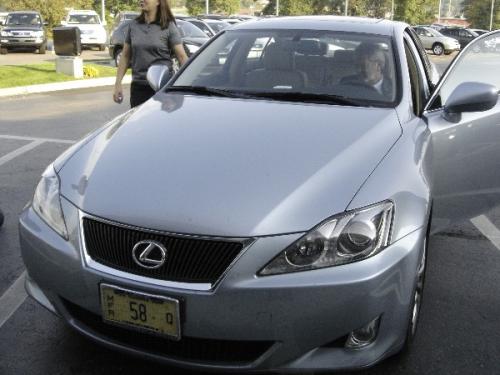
x,y
118,93
180,54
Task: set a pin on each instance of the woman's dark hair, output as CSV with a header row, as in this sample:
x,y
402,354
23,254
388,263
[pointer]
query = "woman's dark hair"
x,y
164,15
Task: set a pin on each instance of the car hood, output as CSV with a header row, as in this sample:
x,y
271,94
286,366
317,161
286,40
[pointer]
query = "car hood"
x,y
22,28
228,167
86,27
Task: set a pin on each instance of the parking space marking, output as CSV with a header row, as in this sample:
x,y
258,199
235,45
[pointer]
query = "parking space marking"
x,y
21,138
12,299
488,229
21,150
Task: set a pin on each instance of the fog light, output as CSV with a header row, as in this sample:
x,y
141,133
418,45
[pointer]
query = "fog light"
x,y
363,336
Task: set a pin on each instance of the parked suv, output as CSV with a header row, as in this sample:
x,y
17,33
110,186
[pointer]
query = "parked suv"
x,y
464,36
23,30
435,41
92,31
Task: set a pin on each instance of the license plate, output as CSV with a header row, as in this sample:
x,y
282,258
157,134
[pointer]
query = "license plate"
x,y
148,313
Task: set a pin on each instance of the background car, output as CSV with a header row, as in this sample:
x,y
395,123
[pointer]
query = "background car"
x,y
125,16
3,16
23,30
201,24
433,40
479,31
92,31
217,25
192,37
464,36
250,218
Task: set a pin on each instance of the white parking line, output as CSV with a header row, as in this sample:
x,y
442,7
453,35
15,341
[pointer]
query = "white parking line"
x,y
21,138
12,299
21,150
488,229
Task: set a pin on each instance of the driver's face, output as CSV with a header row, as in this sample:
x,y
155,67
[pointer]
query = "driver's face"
x,y
372,67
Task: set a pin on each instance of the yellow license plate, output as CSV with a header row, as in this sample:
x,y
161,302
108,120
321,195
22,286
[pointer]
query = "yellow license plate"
x,y
149,313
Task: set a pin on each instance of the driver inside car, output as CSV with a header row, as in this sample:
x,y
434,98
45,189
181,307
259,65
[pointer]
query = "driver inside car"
x,y
372,63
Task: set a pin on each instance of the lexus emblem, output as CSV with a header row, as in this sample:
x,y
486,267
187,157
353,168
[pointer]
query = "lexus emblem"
x,y
149,254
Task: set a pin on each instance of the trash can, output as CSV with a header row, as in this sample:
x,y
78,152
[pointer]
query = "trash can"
x,y
67,41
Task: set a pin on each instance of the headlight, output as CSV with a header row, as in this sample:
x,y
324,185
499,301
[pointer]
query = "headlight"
x,y
5,33
344,238
47,203
192,48
37,34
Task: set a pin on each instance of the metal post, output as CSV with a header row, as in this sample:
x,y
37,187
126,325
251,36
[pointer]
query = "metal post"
x,y
103,19
277,8
207,8
392,10
346,7
439,12
491,16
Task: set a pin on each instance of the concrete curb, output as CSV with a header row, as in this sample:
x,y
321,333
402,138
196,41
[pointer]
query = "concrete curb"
x,y
59,86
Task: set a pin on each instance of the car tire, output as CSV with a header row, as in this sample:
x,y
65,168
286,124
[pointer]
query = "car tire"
x,y
4,51
102,47
42,49
438,49
118,56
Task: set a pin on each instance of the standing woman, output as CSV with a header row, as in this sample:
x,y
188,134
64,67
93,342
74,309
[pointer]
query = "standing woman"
x,y
149,41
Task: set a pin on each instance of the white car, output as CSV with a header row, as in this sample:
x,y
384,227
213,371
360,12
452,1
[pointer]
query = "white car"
x,y
92,31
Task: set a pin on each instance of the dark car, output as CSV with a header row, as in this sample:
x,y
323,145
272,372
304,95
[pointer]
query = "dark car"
x,y
192,37
203,26
464,36
23,30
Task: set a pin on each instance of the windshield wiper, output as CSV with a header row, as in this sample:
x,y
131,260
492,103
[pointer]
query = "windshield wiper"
x,y
309,97
210,91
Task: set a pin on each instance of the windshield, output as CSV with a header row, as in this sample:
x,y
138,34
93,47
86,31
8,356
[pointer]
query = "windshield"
x,y
293,63
189,30
83,18
23,19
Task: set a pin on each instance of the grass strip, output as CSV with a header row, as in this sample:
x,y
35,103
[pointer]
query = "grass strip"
x,y
34,74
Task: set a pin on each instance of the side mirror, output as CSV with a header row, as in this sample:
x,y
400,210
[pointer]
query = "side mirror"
x,y
45,23
158,76
470,97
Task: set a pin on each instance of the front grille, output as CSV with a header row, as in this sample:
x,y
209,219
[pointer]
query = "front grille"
x,y
188,348
190,260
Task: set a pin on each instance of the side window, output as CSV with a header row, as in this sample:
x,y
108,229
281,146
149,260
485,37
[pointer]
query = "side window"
x,y
415,81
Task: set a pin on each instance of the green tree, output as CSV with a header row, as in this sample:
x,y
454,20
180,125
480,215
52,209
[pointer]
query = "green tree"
x,y
416,11
478,13
227,7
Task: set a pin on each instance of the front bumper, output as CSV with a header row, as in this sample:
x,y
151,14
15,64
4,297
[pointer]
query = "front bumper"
x,y
12,42
92,40
298,321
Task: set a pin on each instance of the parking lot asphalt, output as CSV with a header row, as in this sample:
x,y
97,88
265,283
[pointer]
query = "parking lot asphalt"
x,y
458,332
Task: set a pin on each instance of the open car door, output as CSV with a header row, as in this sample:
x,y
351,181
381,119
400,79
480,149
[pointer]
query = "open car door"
x,y
463,116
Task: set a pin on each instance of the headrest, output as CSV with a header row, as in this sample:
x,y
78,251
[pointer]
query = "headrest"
x,y
344,56
312,47
278,57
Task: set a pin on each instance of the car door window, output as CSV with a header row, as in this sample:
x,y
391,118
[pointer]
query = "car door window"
x,y
480,64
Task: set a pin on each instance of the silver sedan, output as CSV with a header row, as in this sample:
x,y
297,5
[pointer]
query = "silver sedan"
x,y
269,209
